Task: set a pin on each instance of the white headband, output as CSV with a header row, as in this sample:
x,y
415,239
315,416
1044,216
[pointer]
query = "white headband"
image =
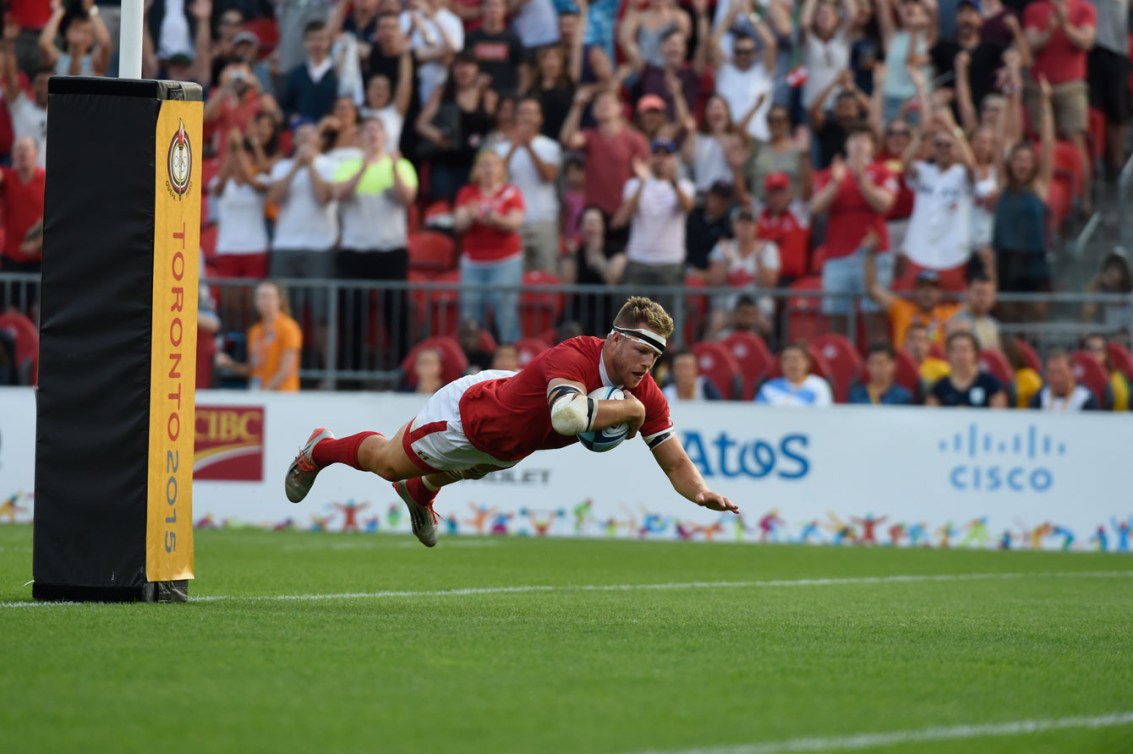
x,y
647,337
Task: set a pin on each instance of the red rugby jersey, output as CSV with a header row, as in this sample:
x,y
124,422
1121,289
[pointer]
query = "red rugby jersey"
x,y
509,418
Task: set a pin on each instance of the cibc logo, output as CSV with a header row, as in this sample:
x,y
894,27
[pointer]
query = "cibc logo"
x,y
985,462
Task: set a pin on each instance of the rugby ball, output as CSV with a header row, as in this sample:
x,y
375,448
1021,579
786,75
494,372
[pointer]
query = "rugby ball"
x,y
610,437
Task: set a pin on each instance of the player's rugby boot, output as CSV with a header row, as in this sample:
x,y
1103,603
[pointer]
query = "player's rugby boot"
x,y
422,517
302,471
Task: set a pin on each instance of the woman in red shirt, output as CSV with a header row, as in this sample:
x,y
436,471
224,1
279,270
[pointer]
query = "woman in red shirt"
x,y
488,214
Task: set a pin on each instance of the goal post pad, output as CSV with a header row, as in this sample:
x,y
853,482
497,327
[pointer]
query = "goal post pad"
x,y
118,333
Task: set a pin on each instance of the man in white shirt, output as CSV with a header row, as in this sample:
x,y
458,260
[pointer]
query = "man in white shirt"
x,y
435,34
939,235
307,226
29,115
656,205
533,167
1060,392
745,78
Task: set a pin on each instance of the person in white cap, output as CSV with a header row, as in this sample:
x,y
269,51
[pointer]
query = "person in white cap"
x,y
492,420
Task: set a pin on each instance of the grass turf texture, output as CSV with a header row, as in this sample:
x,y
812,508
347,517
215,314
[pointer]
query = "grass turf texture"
x,y
567,671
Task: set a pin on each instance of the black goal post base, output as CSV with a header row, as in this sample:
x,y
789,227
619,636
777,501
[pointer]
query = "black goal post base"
x,y
118,333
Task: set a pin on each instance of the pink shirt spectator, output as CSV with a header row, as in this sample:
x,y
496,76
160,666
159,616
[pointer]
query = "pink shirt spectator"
x,y
609,164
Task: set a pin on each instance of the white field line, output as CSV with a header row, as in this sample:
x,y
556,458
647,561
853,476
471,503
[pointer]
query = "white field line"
x,y
859,741
541,588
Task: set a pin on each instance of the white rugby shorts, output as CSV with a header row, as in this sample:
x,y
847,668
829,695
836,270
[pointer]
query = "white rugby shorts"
x,y
435,439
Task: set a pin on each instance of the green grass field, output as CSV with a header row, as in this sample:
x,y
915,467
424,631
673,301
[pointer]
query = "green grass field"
x,y
423,651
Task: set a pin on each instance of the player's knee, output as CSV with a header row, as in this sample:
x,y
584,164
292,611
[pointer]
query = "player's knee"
x,y
386,471
377,461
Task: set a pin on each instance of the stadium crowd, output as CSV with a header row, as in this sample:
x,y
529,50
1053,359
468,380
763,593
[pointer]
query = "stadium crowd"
x,y
907,159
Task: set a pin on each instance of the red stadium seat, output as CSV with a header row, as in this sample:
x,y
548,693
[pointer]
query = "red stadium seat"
x,y
1059,200
996,364
431,251
907,374
1091,375
804,317
696,308
529,348
453,362
436,310
267,32
539,310
1068,164
208,241
817,259
1097,133
719,367
754,358
487,342
27,344
1121,360
1031,359
845,363
439,213
413,218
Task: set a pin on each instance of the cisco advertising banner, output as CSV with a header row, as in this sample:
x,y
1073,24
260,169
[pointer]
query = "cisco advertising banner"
x,y
847,475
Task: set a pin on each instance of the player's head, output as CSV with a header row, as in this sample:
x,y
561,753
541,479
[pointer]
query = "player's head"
x,y
641,329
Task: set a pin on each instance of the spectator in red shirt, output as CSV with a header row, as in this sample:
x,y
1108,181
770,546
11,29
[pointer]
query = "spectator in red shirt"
x,y
489,213
30,16
779,223
1060,33
855,194
610,149
22,187
235,103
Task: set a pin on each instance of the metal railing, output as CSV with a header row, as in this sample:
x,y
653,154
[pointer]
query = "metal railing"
x,y
356,334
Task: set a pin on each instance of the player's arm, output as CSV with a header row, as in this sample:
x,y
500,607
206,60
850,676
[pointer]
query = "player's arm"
x,y
686,478
573,411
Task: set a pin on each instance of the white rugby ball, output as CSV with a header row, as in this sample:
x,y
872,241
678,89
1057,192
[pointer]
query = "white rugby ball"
x,y
611,437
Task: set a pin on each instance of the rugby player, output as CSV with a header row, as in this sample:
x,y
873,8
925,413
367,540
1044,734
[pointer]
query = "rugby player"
x,y
494,419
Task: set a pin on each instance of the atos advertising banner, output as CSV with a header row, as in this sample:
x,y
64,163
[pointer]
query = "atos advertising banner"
x,y
845,475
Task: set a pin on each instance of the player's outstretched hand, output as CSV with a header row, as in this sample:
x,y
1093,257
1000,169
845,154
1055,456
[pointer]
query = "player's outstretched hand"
x,y
717,502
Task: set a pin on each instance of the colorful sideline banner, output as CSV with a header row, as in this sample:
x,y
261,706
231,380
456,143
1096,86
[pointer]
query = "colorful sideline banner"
x,y
846,475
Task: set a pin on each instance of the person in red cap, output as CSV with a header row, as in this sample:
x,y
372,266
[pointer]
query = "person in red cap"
x,y
652,117
780,224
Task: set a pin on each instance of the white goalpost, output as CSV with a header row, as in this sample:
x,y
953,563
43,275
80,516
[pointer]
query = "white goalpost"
x,y
130,40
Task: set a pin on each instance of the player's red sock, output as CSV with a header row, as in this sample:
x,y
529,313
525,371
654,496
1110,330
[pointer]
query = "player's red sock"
x,y
342,450
421,494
